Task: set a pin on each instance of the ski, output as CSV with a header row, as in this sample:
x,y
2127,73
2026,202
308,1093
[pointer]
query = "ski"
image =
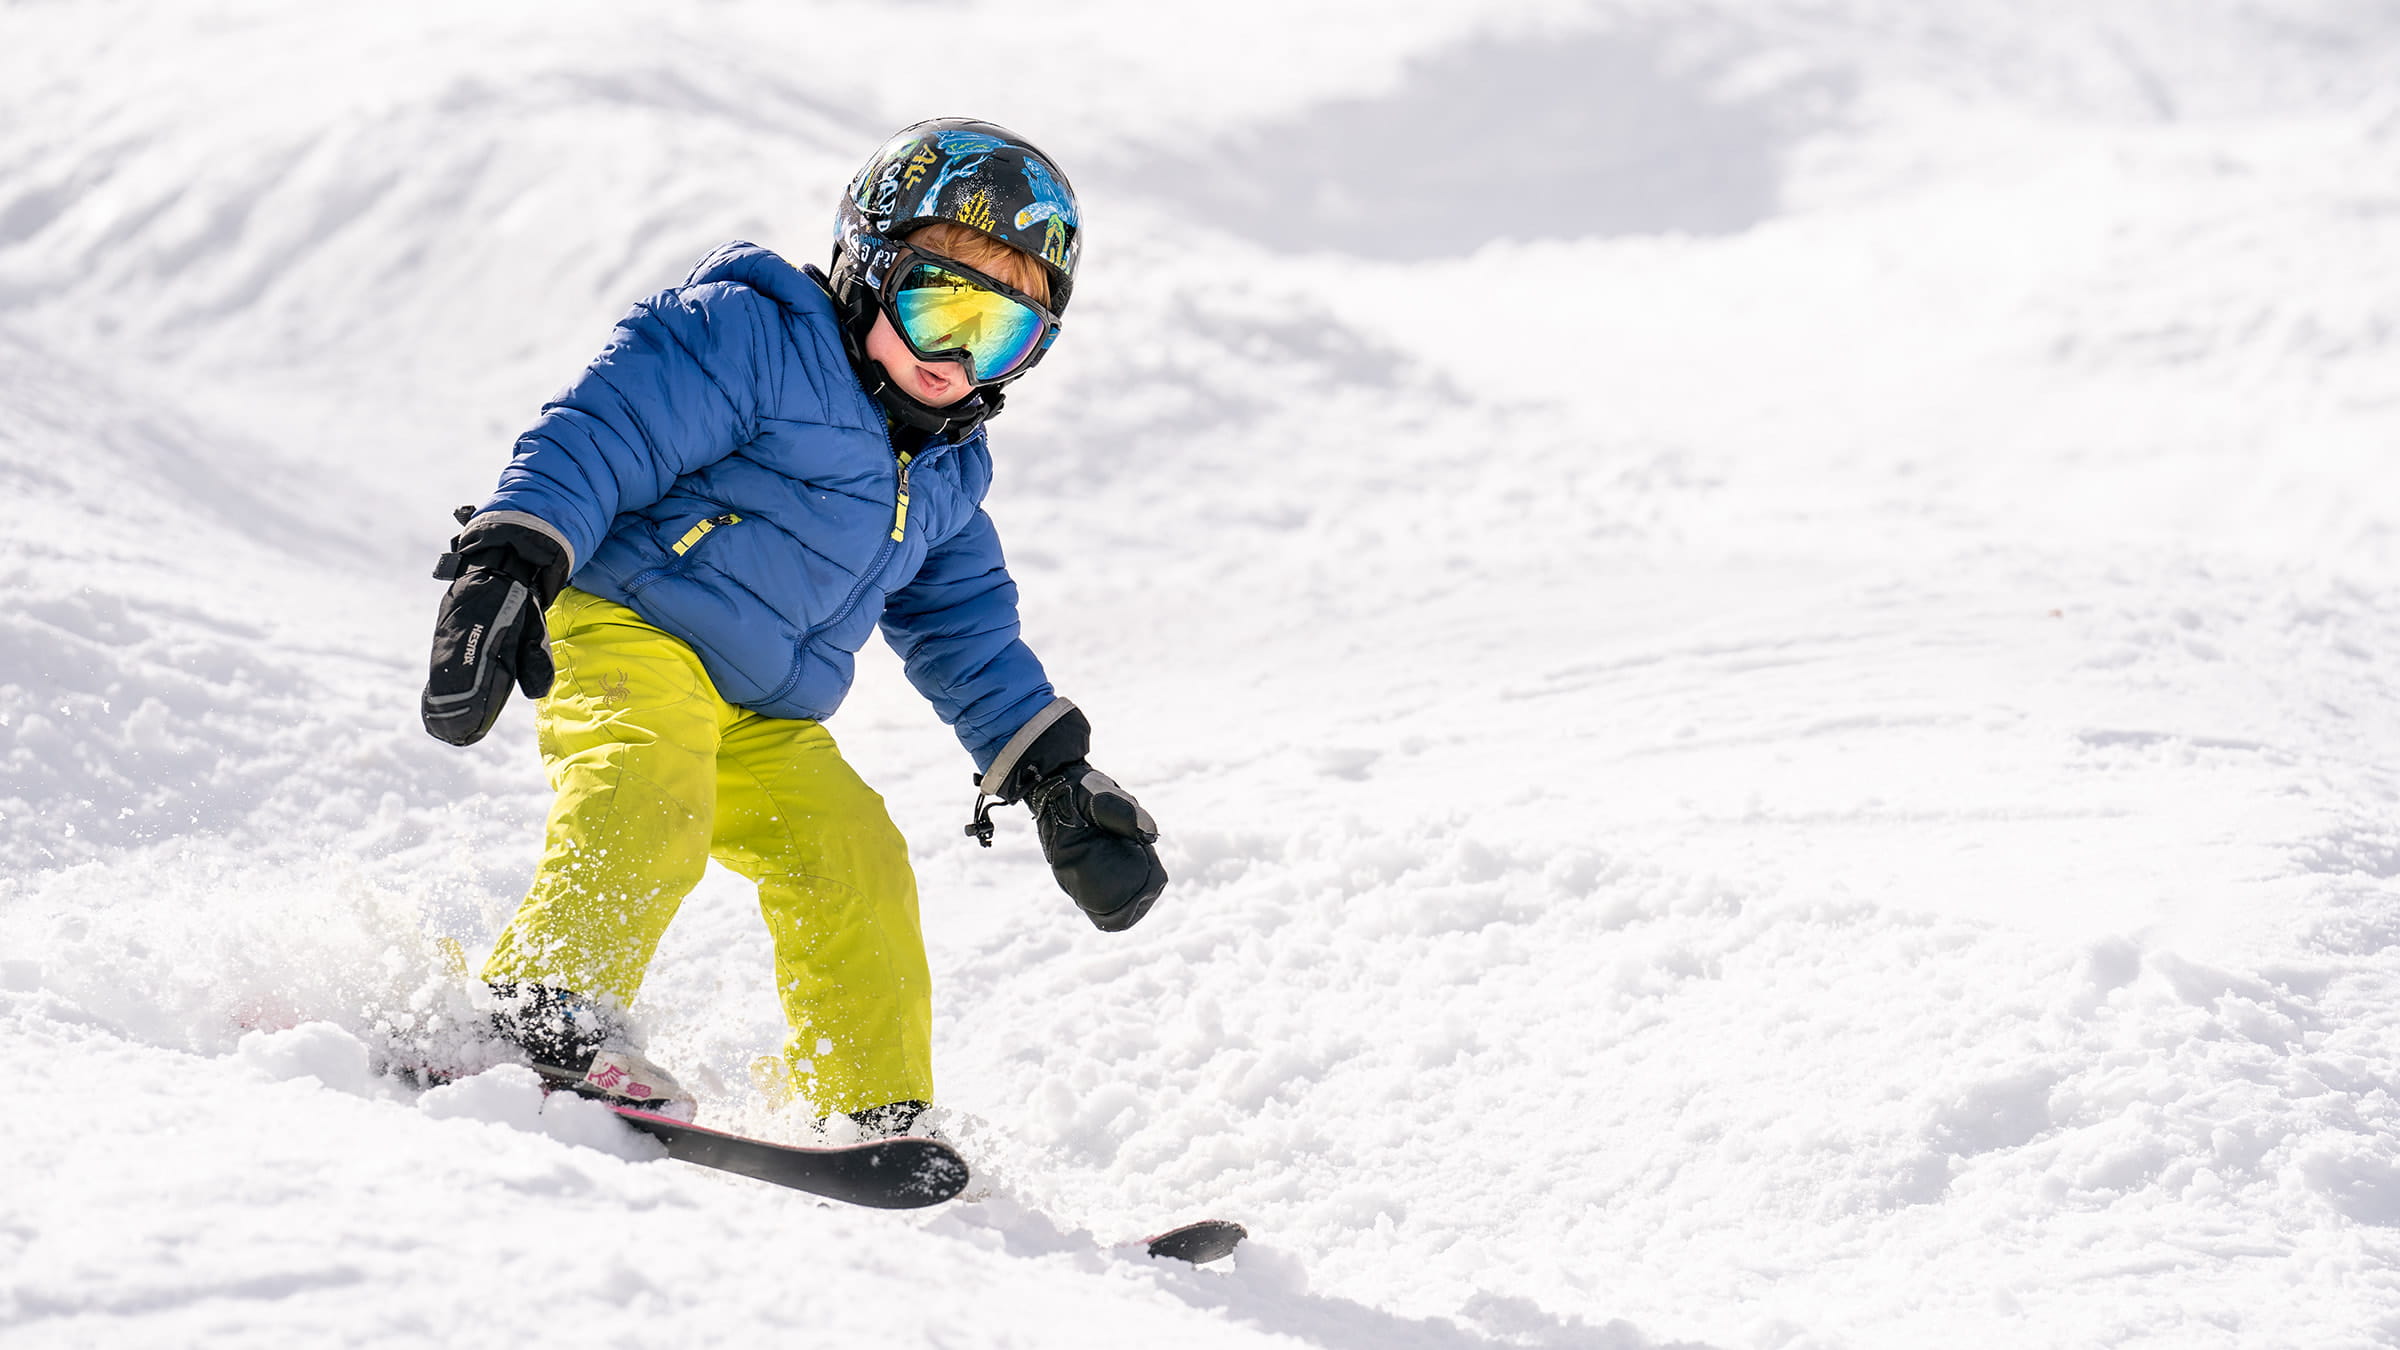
x,y
1199,1243
903,1172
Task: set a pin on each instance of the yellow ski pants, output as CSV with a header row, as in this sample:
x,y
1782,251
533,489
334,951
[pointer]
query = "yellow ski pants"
x,y
655,775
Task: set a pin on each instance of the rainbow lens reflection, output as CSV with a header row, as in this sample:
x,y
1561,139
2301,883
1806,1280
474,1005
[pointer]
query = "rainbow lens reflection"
x,y
942,311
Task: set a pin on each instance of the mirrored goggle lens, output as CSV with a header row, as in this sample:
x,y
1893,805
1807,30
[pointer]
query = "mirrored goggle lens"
x,y
941,311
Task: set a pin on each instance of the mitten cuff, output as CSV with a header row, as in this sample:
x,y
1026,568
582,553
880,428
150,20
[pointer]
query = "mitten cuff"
x,y
1050,740
519,546
485,519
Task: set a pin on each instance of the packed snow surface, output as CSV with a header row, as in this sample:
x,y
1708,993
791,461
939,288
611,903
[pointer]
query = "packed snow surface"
x,y
1762,632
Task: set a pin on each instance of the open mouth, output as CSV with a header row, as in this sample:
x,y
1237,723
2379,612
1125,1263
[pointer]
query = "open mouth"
x,y
937,382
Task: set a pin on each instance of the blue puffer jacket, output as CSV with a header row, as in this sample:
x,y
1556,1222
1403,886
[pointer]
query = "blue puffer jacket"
x,y
720,471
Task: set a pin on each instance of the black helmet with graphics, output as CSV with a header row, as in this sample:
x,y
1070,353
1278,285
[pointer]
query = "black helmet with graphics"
x,y
971,173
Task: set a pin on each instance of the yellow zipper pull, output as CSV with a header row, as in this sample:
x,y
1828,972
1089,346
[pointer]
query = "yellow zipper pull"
x,y
900,508
700,531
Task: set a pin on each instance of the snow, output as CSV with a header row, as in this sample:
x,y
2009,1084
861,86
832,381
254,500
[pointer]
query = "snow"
x,y
1761,632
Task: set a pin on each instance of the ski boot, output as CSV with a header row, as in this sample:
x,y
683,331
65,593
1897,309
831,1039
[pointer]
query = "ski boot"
x,y
769,1074
887,1121
584,1046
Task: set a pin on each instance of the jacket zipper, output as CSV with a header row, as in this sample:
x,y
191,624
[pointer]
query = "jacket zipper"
x,y
883,555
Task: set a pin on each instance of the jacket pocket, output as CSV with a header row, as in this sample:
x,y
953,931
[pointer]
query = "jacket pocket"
x,y
681,550
693,537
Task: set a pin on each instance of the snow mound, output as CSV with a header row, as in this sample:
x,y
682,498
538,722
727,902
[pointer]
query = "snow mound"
x,y
318,1050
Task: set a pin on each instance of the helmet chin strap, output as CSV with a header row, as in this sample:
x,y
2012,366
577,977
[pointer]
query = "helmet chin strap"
x,y
952,423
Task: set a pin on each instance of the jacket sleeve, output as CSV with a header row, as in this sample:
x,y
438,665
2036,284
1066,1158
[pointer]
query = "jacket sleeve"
x,y
674,390
955,628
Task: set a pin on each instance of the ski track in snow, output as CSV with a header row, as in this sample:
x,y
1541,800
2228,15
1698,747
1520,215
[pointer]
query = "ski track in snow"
x,y
1769,678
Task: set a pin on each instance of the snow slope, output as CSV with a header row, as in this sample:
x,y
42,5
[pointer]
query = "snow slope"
x,y
1760,631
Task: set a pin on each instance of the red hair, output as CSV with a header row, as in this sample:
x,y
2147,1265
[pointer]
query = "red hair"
x,y
1004,262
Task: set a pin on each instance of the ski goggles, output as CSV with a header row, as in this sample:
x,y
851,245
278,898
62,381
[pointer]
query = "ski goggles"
x,y
947,311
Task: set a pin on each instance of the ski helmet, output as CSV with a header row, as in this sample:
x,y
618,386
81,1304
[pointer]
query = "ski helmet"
x,y
970,173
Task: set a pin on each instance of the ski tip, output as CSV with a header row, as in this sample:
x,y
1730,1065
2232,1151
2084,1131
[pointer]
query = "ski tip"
x,y
1199,1243
901,1172
936,1173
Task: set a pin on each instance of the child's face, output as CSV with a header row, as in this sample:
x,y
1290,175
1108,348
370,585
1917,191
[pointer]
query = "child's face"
x,y
936,384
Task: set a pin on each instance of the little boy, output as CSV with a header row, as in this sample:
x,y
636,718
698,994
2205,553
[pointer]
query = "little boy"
x,y
683,556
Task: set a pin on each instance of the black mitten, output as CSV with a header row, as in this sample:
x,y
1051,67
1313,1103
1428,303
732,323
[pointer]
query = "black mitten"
x,y
1096,837
489,633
